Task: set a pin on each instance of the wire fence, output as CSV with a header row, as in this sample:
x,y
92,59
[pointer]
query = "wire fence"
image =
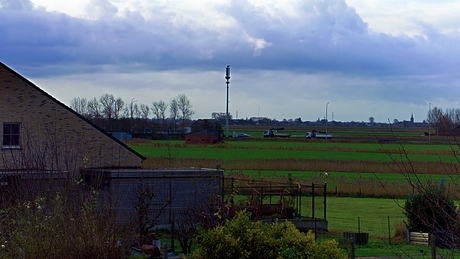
x,y
384,228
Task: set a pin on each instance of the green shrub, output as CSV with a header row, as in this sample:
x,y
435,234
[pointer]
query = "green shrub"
x,y
430,209
241,238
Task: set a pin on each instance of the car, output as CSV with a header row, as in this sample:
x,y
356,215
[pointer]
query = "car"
x,y
240,135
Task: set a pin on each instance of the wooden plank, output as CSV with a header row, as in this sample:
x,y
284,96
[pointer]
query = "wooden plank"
x,y
419,238
419,243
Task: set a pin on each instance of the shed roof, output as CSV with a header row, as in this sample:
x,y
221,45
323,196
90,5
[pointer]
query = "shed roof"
x,y
205,132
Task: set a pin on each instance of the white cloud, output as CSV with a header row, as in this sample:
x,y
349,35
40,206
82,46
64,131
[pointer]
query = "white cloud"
x,y
408,17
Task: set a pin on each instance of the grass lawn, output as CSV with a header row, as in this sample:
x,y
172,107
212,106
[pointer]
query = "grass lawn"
x,y
379,218
367,215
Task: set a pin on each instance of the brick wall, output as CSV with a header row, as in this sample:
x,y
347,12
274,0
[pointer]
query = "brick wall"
x,y
53,136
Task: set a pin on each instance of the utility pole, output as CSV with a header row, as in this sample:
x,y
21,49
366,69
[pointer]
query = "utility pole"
x,y
429,122
326,119
227,76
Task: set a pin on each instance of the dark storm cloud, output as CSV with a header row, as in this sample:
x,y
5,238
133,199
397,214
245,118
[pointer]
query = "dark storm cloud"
x,y
320,47
325,36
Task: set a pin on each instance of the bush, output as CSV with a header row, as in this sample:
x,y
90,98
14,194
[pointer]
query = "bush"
x,y
241,238
59,227
430,209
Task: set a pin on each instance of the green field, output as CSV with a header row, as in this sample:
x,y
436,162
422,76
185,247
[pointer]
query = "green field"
x,y
263,149
356,164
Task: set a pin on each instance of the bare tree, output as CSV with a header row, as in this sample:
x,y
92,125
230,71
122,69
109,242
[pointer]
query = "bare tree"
x,y
456,116
80,105
173,112
131,111
94,109
147,216
107,102
159,110
435,117
145,111
185,108
118,106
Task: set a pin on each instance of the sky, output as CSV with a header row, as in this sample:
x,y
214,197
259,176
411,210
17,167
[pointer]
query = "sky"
x,y
347,60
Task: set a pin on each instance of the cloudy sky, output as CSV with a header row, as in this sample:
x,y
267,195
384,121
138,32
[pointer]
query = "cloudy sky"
x,y
358,58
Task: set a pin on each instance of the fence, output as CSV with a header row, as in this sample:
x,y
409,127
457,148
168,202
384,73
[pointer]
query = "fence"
x,y
383,228
277,199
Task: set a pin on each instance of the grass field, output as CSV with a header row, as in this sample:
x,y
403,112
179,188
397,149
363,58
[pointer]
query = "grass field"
x,y
357,167
265,149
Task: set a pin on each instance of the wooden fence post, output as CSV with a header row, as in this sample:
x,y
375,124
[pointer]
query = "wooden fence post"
x,y
352,249
164,251
433,246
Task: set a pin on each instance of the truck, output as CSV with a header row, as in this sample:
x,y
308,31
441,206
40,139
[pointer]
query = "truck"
x,y
318,135
273,133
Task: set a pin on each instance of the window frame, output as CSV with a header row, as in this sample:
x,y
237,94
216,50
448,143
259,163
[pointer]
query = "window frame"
x,y
13,134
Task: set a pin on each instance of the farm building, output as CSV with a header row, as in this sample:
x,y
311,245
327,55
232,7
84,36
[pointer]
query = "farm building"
x,y
454,132
40,132
206,136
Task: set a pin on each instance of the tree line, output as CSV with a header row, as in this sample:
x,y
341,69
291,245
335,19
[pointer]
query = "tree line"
x,y
443,120
114,114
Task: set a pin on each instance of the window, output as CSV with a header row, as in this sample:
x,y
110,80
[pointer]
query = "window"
x,y
11,134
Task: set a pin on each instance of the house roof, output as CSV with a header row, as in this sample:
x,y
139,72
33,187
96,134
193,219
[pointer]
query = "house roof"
x,y
205,132
70,110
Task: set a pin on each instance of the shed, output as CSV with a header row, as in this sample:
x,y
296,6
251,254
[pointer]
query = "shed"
x,y
171,191
206,136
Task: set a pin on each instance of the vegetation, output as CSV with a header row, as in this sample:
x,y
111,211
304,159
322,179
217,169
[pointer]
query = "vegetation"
x,y
57,226
113,114
354,168
242,238
431,210
44,224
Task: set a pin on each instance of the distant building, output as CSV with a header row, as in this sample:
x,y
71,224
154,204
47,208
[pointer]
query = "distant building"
x,y
206,136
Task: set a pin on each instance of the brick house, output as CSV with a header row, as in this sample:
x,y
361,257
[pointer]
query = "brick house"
x,y
206,136
41,133
43,139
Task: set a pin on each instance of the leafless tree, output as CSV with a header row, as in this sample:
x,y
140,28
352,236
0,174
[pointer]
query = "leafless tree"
x,y
94,109
118,106
159,110
80,105
435,117
145,111
185,108
107,102
147,216
173,112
